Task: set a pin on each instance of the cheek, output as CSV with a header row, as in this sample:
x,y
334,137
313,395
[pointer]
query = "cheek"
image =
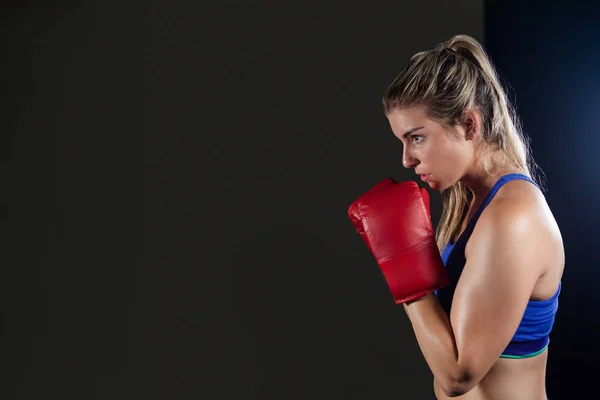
x,y
451,153
448,162
441,158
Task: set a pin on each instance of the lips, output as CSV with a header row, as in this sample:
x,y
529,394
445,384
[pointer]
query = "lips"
x,y
424,177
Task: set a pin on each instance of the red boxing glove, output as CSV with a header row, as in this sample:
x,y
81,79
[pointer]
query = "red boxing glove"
x,y
394,221
358,224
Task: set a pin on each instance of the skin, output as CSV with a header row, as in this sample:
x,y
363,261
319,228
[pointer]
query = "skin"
x,y
515,254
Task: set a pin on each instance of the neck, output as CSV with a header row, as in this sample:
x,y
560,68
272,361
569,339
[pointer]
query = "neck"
x,y
480,182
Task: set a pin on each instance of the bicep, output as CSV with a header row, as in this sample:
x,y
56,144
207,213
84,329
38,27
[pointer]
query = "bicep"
x,y
492,293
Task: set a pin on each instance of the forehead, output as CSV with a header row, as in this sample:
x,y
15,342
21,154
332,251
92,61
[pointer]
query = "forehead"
x,y
404,120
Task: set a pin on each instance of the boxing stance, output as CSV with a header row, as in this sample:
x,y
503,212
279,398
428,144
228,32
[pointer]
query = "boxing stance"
x,y
482,291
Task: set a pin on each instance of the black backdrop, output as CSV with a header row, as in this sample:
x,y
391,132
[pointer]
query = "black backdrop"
x,y
176,178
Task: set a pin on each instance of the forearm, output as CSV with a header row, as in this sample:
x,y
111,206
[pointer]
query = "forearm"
x,y
436,339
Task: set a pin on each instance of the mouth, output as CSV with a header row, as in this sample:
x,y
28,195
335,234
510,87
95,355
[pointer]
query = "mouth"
x,y
425,177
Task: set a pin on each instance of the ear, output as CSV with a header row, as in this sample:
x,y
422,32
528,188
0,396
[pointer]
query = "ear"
x,y
472,124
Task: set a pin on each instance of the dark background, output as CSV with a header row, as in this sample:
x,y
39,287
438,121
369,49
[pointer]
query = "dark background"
x,y
176,177
550,55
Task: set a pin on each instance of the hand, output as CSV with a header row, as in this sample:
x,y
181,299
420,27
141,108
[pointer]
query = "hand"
x,y
394,221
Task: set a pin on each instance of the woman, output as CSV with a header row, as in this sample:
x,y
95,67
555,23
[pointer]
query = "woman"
x,y
483,327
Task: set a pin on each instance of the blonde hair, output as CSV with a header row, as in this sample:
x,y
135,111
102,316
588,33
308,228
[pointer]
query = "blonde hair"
x,y
454,76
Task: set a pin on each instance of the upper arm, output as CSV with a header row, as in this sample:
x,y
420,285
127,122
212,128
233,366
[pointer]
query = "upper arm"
x,y
498,278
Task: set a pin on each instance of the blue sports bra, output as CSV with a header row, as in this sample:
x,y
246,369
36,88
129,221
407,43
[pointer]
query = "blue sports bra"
x,y
533,333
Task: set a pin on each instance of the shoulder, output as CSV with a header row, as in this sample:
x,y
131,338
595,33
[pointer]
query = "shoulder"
x,y
517,220
518,207
515,198
509,214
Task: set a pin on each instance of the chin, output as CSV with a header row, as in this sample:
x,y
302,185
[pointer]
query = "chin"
x,y
435,186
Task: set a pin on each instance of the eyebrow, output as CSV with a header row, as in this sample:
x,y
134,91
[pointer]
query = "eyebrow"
x,y
411,131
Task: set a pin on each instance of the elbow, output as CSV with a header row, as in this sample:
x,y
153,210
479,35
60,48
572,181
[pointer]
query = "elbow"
x,y
454,392
458,385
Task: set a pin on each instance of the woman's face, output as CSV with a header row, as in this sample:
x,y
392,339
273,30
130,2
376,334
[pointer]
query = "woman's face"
x,y
440,156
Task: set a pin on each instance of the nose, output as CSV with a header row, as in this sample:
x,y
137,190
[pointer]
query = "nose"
x,y
408,160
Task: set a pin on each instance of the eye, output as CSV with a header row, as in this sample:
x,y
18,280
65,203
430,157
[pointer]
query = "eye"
x,y
416,139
